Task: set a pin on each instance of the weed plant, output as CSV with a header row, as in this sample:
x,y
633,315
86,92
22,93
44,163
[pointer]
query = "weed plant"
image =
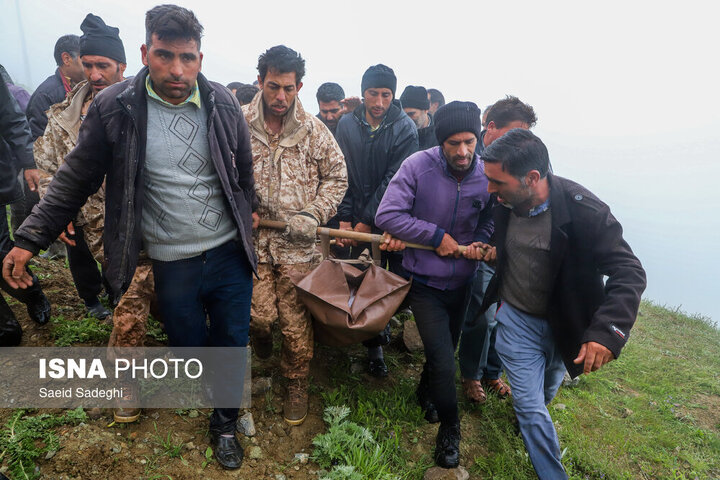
x,y
85,330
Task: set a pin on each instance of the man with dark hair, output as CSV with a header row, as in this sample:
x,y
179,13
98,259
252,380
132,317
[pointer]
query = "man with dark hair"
x,y
51,91
102,55
233,86
416,104
330,97
300,178
556,243
480,366
436,99
176,152
15,153
246,93
375,139
439,198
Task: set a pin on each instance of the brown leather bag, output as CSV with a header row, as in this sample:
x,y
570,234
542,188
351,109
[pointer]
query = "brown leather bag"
x,y
349,305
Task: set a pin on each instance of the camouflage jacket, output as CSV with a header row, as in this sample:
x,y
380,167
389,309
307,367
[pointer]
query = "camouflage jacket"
x,y
50,149
301,169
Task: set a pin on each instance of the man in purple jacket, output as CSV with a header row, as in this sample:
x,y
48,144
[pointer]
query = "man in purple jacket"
x,y
439,198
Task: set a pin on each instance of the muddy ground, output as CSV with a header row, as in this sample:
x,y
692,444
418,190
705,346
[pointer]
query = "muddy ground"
x,y
97,449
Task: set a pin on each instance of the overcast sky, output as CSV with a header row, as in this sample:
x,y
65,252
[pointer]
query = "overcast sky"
x,y
627,93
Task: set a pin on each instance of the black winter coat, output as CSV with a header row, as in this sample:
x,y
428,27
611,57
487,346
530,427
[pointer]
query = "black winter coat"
x,y
15,147
426,136
586,243
112,142
372,159
48,93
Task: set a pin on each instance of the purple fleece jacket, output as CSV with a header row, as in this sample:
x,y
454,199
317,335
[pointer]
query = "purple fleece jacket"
x,y
423,202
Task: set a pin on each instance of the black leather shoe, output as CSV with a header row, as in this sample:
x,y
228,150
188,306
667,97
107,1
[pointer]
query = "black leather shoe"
x,y
227,451
39,309
447,446
377,368
423,398
97,309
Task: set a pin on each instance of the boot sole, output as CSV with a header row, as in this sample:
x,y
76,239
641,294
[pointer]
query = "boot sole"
x,y
134,418
295,423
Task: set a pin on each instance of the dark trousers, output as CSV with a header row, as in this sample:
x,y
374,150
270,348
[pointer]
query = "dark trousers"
x,y
10,330
84,268
215,284
20,210
439,316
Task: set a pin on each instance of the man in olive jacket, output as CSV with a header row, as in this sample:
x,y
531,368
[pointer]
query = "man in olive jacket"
x,y
555,243
176,152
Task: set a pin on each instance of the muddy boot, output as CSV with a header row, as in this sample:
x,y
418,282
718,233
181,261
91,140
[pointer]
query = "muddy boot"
x,y
128,411
295,407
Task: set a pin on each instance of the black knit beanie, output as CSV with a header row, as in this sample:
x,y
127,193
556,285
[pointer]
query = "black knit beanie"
x,y
415,97
456,117
379,76
101,39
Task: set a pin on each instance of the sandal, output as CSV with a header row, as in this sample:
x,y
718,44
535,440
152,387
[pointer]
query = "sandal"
x,y
473,390
497,385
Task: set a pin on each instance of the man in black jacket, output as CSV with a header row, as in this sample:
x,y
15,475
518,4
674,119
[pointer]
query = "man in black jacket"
x,y
176,152
15,153
555,242
375,139
415,103
52,90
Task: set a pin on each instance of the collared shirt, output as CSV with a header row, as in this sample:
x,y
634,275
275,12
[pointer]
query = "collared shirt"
x,y
538,209
193,98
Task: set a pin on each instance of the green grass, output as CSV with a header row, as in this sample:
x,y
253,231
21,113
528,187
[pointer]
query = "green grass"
x,y
67,332
25,438
652,414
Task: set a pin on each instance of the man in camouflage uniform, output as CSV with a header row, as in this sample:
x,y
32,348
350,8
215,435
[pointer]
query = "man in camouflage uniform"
x,y
300,178
103,59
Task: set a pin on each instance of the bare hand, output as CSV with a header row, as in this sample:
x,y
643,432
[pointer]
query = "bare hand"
x,y
32,177
349,104
14,269
255,220
448,247
480,251
594,356
391,244
69,230
345,242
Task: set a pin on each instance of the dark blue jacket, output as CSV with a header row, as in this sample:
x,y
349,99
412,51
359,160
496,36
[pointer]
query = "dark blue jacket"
x,y
372,159
15,147
48,93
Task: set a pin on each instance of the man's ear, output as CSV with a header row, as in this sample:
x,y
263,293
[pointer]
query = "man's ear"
x,y
533,177
298,86
144,52
66,58
260,83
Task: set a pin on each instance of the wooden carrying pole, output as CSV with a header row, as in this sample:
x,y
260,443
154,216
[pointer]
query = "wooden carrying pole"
x,y
359,236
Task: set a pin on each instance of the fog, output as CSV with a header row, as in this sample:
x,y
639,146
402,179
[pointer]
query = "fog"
x,y
626,92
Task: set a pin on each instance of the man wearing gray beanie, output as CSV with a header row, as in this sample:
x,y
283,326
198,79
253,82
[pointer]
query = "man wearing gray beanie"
x,y
375,139
439,198
416,104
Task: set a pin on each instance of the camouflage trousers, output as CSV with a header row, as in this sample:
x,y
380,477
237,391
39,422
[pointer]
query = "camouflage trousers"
x,y
130,315
274,298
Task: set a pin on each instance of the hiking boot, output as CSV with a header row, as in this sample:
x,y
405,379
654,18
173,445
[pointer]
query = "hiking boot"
x,y
447,446
38,309
428,407
262,346
295,407
227,451
126,414
377,368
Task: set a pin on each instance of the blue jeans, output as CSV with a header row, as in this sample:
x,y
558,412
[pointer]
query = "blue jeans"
x,y
477,355
215,284
535,369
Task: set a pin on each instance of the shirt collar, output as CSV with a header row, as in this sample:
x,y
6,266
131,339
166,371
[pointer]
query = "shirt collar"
x,y
538,209
193,98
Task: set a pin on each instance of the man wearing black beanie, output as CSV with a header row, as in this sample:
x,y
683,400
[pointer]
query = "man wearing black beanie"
x,y
375,139
416,104
439,198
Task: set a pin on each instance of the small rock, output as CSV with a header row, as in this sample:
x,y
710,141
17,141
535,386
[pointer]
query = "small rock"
x,y
50,454
280,476
296,468
560,406
155,415
279,431
156,451
190,446
143,461
116,449
568,381
255,452
246,425
94,413
302,458
626,412
261,385
193,413
395,322
4,469
133,436
438,473
411,336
